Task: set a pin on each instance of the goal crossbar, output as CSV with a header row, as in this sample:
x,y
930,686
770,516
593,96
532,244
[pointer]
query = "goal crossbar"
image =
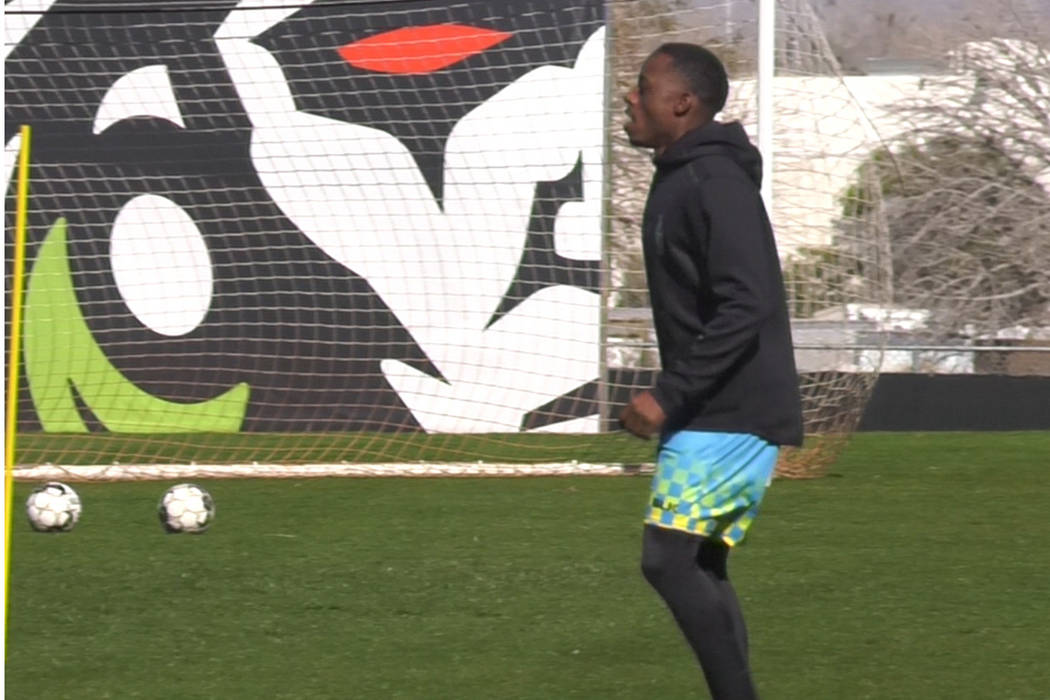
x,y
158,472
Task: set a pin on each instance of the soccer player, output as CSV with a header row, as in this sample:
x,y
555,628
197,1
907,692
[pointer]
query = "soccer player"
x,y
727,395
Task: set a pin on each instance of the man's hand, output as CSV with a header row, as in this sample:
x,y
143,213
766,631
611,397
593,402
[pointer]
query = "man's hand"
x,y
643,416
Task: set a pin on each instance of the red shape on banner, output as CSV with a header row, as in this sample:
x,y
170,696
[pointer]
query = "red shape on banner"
x,y
420,49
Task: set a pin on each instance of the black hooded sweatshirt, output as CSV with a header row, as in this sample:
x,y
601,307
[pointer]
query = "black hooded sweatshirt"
x,y
717,291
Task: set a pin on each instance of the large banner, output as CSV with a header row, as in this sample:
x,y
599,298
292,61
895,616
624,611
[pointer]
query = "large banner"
x,y
357,216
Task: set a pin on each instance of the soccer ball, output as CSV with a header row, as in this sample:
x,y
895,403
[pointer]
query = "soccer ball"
x,y
53,507
186,508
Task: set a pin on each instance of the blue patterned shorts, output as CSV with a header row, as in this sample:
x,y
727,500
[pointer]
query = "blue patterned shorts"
x,y
710,484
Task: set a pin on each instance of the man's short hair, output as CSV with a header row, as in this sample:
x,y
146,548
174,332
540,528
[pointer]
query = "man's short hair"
x,y
703,72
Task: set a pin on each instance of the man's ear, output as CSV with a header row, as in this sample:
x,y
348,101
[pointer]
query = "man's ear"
x,y
686,102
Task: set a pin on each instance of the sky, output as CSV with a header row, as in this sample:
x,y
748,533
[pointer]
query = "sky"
x,y
861,32
909,29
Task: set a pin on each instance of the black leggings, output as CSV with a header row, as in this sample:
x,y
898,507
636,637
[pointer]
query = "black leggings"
x,y
689,572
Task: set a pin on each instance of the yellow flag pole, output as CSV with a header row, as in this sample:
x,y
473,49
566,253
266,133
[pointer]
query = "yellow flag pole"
x,y
15,354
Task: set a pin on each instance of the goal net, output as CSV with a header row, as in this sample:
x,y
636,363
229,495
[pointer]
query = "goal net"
x,y
830,238
385,237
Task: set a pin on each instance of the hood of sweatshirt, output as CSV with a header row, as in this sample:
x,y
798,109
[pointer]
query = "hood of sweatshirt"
x,y
714,138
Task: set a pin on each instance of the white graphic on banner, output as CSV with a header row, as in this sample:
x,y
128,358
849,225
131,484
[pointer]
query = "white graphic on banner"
x,y
358,194
20,16
159,259
144,91
161,265
12,149
578,224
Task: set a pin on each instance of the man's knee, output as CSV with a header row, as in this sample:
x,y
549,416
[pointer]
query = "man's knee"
x,y
663,553
654,564
713,557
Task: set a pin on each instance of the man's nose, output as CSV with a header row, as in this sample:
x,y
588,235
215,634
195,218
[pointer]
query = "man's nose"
x,y
630,97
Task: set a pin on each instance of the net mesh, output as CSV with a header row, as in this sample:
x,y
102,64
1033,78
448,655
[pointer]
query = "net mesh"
x,y
362,231
833,254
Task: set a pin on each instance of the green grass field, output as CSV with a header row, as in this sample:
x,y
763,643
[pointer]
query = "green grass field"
x,y
918,569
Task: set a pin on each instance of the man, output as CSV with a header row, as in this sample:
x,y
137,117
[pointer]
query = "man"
x,y
727,395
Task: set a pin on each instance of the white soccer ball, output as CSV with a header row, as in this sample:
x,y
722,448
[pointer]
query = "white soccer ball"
x,y
53,507
186,508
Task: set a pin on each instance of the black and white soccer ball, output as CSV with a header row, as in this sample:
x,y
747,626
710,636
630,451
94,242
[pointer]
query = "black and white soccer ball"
x,y
53,507
186,508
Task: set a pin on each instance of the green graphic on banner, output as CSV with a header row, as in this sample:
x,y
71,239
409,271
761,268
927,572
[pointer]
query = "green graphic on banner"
x,y
61,356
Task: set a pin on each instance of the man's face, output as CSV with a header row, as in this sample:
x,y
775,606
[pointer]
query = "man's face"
x,y
655,104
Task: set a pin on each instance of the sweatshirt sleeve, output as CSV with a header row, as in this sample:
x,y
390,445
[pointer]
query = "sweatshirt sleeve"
x,y
738,268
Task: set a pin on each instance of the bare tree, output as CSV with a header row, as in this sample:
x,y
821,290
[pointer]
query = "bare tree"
x,y
921,33
966,194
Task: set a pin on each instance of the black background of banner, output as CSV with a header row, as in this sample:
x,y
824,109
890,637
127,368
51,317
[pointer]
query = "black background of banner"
x,y
303,331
